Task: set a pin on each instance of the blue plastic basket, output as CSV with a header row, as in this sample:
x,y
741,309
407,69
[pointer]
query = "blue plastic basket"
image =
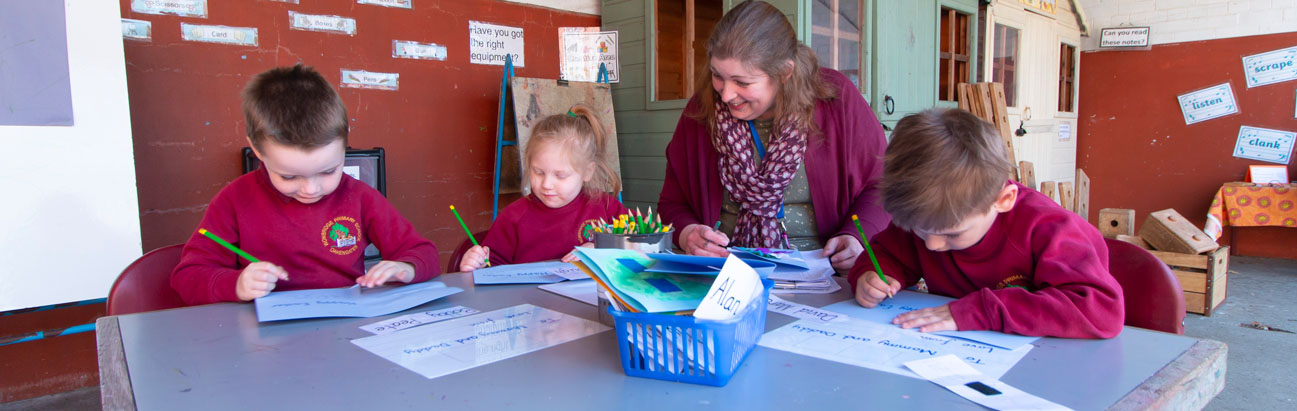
x,y
686,349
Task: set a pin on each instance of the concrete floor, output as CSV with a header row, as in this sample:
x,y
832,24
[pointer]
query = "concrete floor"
x,y
1260,367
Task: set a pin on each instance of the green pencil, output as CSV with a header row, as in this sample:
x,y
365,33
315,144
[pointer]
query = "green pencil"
x,y
877,269
466,230
227,245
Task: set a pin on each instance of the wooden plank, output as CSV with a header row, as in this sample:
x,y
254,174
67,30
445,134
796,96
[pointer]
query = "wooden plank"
x,y
1167,230
1027,174
1082,194
1116,221
1065,196
1190,281
962,90
1000,113
1188,383
115,391
1218,278
1181,260
982,98
1047,188
1195,302
1134,240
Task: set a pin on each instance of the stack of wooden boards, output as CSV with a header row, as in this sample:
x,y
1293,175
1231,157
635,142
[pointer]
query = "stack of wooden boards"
x,y
1196,259
986,100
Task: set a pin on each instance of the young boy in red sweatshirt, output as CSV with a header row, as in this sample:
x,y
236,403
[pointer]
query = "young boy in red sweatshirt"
x,y
299,214
1016,261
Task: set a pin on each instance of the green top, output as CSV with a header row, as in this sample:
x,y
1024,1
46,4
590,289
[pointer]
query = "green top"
x,y
799,215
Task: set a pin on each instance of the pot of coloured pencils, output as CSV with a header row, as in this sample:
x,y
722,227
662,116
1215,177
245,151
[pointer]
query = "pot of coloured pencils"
x,y
633,231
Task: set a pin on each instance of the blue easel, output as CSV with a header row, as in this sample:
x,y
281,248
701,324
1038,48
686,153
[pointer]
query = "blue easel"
x,y
500,142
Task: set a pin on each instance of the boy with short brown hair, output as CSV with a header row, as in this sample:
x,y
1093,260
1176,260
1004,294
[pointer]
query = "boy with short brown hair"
x,y
1015,260
299,214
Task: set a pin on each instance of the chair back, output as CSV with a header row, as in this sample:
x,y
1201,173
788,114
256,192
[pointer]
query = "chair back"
x,y
1153,296
145,285
452,265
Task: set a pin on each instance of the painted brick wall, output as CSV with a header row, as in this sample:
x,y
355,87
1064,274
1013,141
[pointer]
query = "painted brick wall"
x,y
1174,21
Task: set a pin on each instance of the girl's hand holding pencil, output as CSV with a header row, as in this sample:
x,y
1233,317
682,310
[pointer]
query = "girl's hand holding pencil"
x,y
476,257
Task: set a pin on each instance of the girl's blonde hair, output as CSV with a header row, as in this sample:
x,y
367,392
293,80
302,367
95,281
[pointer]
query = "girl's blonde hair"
x,y
759,35
581,135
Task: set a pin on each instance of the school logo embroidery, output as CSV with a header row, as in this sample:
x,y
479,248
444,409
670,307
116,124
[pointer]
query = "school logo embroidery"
x,y
1019,281
340,234
585,234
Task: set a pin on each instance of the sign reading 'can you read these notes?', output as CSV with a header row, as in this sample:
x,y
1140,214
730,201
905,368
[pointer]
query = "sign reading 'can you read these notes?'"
x,y
1206,104
1123,37
490,43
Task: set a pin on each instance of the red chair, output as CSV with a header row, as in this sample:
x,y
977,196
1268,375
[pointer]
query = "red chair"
x,y
145,285
452,265
1154,299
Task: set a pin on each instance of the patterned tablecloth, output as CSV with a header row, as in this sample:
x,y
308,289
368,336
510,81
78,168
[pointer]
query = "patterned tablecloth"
x,y
1250,205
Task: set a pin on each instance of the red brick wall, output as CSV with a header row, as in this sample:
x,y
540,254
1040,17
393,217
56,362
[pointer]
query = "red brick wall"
x,y
1133,142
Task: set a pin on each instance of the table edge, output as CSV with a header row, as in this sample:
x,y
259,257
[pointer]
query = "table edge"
x,y
115,391
1187,383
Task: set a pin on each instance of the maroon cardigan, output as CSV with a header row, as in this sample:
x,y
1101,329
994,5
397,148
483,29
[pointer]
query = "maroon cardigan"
x,y
844,164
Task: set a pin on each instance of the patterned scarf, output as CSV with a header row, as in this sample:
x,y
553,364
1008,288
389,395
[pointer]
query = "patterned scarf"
x,y
759,193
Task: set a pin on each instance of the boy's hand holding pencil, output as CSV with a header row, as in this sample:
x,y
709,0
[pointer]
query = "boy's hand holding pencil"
x,y
258,279
871,289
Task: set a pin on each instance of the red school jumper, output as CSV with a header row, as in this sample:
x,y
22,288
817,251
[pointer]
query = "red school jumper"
x,y
529,231
1040,270
320,245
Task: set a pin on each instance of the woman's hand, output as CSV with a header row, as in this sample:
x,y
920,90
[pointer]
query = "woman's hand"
x,y
698,239
842,251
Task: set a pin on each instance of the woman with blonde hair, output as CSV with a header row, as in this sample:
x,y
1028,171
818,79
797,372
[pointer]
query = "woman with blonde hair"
x,y
777,150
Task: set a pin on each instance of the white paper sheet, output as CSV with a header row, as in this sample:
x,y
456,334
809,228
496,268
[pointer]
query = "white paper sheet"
x,y
906,301
802,311
347,302
948,371
395,324
585,291
819,267
544,272
455,345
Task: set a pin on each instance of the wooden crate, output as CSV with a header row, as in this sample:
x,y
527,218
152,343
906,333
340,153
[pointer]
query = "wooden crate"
x,y
1167,230
1203,277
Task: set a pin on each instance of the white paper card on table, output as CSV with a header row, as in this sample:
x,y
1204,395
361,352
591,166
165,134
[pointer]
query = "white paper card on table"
x,y
802,311
459,344
735,288
395,324
884,347
585,291
818,264
906,301
1264,144
955,375
544,272
347,302
1257,174
1206,104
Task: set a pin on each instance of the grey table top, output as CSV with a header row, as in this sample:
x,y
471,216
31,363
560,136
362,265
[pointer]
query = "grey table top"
x,y
218,357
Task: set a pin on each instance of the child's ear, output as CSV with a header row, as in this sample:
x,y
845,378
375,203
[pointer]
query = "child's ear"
x,y
1006,199
254,149
588,174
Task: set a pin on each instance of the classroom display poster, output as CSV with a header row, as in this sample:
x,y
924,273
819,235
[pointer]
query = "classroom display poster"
x,y
320,23
403,4
1270,67
370,80
35,79
1124,37
462,343
1263,144
1206,104
183,8
406,49
490,43
239,36
583,49
139,30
